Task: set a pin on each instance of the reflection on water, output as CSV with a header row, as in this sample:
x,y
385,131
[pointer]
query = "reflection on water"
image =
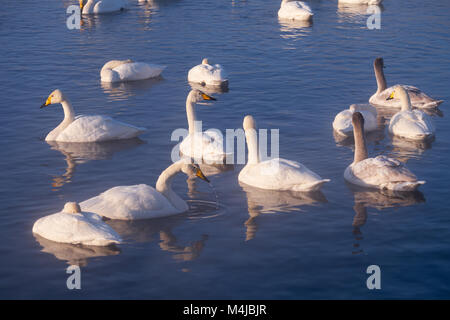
x,y
294,30
355,13
404,149
209,89
118,91
371,137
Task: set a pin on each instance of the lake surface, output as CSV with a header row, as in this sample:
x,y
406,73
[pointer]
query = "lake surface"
x,y
255,244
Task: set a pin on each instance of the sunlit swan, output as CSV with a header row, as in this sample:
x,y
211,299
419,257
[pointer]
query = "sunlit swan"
x,y
87,128
128,70
295,10
208,145
102,6
342,123
142,201
369,2
206,74
408,123
380,172
418,98
76,227
275,174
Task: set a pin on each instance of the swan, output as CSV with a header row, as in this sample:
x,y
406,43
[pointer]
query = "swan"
x,y
87,128
408,123
275,174
342,123
209,75
102,6
73,226
418,98
295,10
142,201
128,70
380,172
369,2
208,145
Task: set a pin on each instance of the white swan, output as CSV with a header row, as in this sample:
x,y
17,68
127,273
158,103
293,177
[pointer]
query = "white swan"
x,y
142,201
76,227
275,174
342,123
408,123
87,128
102,6
295,10
128,70
208,145
418,98
206,74
369,2
380,172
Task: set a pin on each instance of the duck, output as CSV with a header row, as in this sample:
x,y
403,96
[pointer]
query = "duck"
x,y
73,226
367,2
342,123
418,98
408,123
208,75
143,201
295,10
204,146
274,174
85,128
128,70
381,172
102,6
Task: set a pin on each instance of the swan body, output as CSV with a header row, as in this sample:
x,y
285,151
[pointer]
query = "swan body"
x,y
368,2
76,227
418,98
295,10
87,128
380,172
342,123
275,174
102,6
128,70
206,74
143,201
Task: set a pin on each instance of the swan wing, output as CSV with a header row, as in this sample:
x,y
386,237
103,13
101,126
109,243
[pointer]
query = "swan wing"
x,y
138,71
296,10
208,74
105,6
411,124
418,98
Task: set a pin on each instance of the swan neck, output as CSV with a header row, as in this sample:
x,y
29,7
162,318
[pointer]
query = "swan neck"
x,y
360,144
164,185
381,80
69,114
190,113
405,102
252,144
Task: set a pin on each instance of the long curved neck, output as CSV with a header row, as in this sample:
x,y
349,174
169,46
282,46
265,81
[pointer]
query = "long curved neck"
x,y
69,114
381,80
164,186
405,102
252,145
360,144
190,112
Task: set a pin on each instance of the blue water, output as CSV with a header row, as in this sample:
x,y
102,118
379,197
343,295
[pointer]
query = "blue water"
x,y
257,245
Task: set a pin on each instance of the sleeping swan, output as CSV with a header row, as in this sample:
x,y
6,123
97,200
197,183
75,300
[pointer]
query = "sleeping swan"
x,y
417,97
102,6
368,2
342,123
380,172
275,174
295,10
209,75
128,70
87,128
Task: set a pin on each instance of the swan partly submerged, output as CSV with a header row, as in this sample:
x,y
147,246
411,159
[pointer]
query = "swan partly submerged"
x,y
128,70
342,123
380,172
368,2
209,75
87,128
142,201
73,226
295,10
408,123
275,174
102,6
418,98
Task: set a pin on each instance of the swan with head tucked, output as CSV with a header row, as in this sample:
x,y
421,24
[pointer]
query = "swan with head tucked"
x,y
408,123
209,75
142,201
295,10
73,226
380,172
275,174
368,2
87,128
102,6
418,98
342,123
128,70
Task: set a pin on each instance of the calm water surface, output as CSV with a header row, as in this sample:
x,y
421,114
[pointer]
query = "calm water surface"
x,y
256,244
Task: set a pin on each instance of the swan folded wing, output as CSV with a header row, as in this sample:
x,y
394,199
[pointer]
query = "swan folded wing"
x,y
207,73
138,71
411,124
207,145
418,98
105,6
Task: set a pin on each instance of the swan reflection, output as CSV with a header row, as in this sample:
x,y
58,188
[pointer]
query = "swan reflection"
x,y
210,89
119,91
356,13
293,29
404,149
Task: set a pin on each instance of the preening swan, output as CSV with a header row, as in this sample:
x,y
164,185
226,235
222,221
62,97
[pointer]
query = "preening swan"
x,y
73,226
142,201
87,128
102,6
408,123
418,98
342,123
295,10
275,174
369,2
206,74
128,70
380,172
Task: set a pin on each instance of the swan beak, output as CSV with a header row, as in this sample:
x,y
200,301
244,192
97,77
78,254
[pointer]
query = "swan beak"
x,y
47,102
206,97
201,175
391,96
81,5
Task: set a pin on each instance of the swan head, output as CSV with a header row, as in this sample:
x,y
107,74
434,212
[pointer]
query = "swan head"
x,y
197,96
249,123
378,63
400,93
55,97
205,61
358,120
72,207
193,170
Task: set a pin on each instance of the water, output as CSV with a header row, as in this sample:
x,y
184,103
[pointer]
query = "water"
x,y
255,244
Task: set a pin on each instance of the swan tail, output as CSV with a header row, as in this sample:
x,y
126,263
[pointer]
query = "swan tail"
x,y
404,186
432,104
312,186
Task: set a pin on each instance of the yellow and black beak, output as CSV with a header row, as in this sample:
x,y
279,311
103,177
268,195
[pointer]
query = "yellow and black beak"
x,y
200,174
206,97
81,5
47,102
391,96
